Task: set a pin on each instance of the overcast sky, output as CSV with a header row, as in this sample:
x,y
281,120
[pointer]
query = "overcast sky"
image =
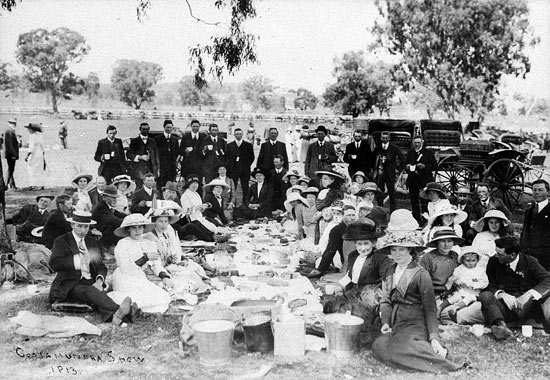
x,y
298,38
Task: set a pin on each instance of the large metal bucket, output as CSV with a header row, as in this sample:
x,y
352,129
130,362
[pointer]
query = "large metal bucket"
x,y
258,334
342,333
214,338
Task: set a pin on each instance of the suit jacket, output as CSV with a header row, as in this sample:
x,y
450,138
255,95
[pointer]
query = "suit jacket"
x,y
315,158
140,167
240,159
95,197
107,221
394,160
216,211
56,225
374,268
264,200
61,261
267,151
11,144
214,156
478,210
104,146
191,161
168,152
529,274
279,188
141,195
335,244
29,213
420,177
363,160
535,235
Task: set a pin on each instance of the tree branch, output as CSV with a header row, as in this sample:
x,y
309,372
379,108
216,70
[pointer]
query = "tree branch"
x,y
199,19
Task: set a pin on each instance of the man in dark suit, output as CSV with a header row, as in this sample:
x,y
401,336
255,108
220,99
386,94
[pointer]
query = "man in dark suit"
x,y
190,150
214,150
240,156
518,286
388,159
269,149
421,164
31,216
144,154
110,154
257,203
96,193
11,151
57,224
358,155
535,236
81,273
167,146
108,219
276,180
143,198
320,154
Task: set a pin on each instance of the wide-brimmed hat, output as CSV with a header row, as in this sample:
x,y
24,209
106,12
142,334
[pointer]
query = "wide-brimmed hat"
x,y
491,214
305,179
169,185
162,204
34,127
190,179
463,190
445,208
379,215
361,231
134,220
125,178
444,233
409,239
110,191
216,182
402,220
169,213
310,190
294,197
296,188
12,120
51,197
80,176
261,171
361,174
291,173
81,217
331,173
468,249
367,187
433,186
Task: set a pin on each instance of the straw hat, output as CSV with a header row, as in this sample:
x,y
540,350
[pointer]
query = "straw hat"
x,y
125,178
291,173
331,173
133,220
445,208
172,186
45,195
311,190
402,220
81,217
361,231
12,120
216,182
445,233
433,186
168,205
463,190
172,217
294,197
409,239
305,179
34,127
367,187
79,177
467,249
491,214
361,174
296,188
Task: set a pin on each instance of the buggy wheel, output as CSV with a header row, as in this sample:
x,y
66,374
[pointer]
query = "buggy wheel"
x,y
505,178
452,175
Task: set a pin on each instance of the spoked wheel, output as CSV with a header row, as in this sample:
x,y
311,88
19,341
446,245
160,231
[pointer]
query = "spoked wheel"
x,y
505,178
452,175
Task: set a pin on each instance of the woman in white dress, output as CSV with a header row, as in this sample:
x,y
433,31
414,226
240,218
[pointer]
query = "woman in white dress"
x,y
491,227
191,203
133,255
35,157
125,186
84,202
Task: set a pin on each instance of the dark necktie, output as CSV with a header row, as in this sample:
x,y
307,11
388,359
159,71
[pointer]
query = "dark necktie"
x,y
536,209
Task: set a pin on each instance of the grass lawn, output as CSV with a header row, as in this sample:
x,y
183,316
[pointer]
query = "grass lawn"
x,y
154,339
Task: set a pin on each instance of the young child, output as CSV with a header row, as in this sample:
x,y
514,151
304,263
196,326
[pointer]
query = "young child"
x,y
435,194
468,279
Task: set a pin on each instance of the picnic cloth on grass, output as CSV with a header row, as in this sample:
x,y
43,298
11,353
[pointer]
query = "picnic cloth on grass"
x,y
51,326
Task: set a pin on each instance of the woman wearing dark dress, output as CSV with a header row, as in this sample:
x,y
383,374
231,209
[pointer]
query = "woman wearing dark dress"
x,y
410,334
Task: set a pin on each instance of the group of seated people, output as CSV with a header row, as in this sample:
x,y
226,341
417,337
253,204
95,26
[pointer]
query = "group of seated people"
x,y
462,266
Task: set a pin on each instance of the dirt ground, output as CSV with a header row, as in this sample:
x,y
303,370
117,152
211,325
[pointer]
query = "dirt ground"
x,y
148,349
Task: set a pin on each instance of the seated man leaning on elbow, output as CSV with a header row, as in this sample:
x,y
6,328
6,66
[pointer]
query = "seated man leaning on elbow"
x,y
519,289
81,272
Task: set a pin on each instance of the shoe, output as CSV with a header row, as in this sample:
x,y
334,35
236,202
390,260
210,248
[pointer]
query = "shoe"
x,y
135,311
123,310
501,332
452,314
314,274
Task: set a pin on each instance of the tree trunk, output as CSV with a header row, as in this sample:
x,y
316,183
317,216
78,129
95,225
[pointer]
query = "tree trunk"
x,y
54,101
